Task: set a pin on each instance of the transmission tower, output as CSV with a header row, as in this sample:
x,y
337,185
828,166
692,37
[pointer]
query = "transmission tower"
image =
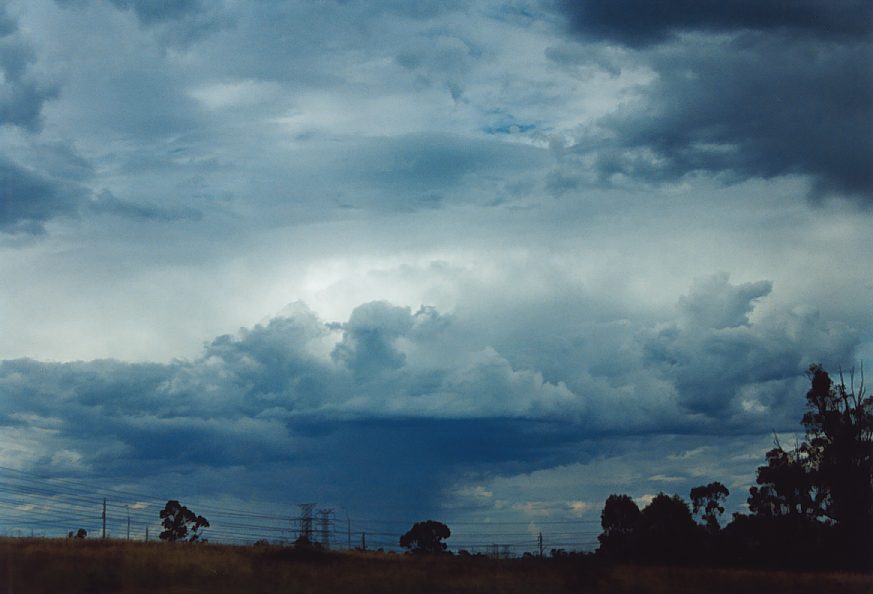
x,y
324,526
304,530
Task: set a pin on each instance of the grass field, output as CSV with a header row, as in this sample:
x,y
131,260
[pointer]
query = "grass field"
x,y
62,566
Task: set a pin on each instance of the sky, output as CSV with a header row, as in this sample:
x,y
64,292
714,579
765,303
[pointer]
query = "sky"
x,y
478,261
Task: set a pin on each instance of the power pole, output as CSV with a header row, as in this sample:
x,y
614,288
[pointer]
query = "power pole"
x,y
363,541
104,518
540,543
349,528
305,530
147,533
324,526
128,522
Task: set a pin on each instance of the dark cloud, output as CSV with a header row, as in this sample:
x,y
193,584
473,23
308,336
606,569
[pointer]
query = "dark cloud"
x,y
759,107
786,91
29,199
22,93
642,22
32,198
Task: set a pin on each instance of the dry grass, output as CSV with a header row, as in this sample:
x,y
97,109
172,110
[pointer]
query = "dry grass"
x,y
68,566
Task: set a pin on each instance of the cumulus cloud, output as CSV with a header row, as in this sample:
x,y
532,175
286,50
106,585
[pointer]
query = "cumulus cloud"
x,y
340,396
714,303
722,364
367,347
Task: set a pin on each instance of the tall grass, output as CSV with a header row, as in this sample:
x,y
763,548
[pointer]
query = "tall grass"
x,y
70,566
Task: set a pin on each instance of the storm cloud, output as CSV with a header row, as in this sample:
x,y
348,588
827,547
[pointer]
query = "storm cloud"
x,y
640,23
740,90
535,252
297,388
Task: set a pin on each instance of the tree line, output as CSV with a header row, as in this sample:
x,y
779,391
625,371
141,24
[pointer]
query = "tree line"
x,y
811,506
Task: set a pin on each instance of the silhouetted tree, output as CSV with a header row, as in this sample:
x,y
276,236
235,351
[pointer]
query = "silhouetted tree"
x,y
821,492
785,486
667,532
830,476
80,533
707,500
839,446
180,523
426,537
619,519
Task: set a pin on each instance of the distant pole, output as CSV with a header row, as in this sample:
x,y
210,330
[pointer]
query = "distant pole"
x,y
128,522
324,526
540,543
104,517
349,527
147,533
306,521
363,541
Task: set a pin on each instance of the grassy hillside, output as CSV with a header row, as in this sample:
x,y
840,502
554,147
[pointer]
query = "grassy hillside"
x,y
61,566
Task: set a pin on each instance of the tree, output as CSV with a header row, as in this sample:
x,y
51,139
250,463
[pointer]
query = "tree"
x,y
708,499
80,533
821,492
667,531
785,486
839,446
426,537
180,523
619,519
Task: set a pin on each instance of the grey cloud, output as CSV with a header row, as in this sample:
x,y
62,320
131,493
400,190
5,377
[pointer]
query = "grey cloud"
x,y
784,88
714,303
367,346
179,22
22,93
108,203
722,364
157,11
641,22
8,25
393,397
751,106
30,199
422,171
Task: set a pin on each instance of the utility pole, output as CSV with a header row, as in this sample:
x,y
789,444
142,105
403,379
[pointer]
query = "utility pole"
x,y
540,543
349,528
324,526
147,533
128,522
104,518
305,530
363,541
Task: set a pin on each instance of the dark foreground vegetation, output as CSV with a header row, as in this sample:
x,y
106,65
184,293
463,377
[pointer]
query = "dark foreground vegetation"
x,y
811,507
72,566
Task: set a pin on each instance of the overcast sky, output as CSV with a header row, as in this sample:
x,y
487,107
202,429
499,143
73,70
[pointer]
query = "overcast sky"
x,y
465,259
